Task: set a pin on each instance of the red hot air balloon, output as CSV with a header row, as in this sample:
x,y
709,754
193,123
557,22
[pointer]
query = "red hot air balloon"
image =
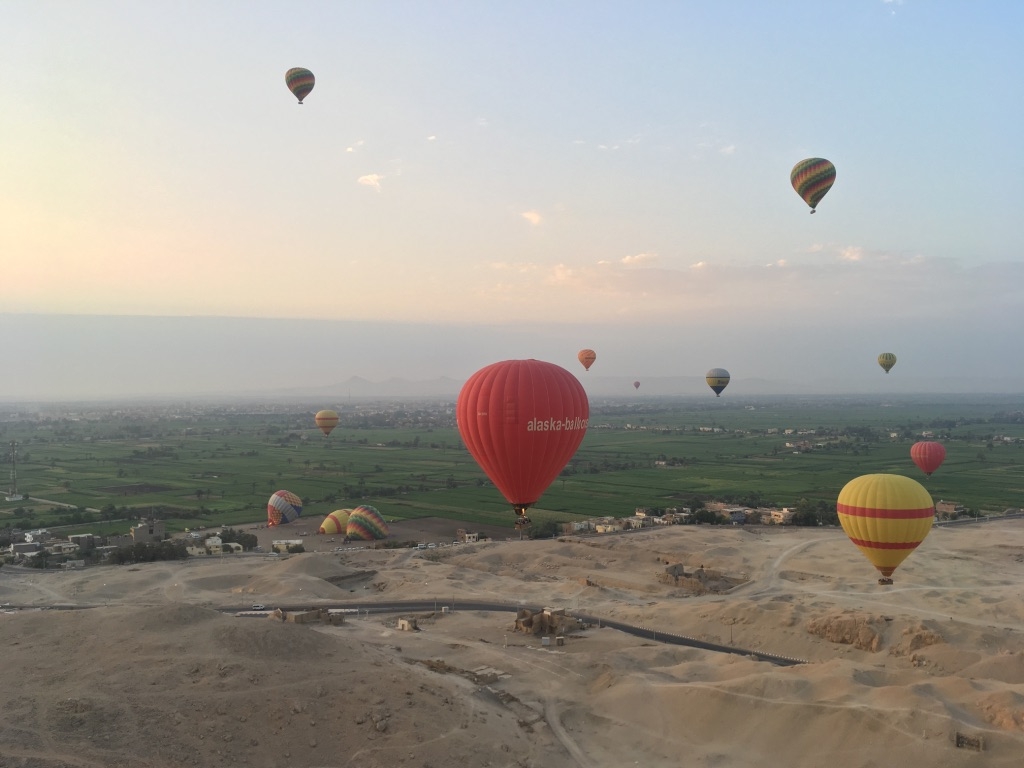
x,y
587,357
928,456
522,420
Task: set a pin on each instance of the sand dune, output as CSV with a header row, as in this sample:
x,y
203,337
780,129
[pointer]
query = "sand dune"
x,y
151,674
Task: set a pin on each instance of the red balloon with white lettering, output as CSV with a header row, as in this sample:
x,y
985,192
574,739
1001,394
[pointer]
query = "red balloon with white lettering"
x,y
928,456
522,420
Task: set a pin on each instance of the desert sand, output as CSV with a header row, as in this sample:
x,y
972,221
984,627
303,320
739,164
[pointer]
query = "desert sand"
x,y
154,669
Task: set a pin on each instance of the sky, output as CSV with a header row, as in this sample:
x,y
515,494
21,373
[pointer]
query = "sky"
x,y
476,181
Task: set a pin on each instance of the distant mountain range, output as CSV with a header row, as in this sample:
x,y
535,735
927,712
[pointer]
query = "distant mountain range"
x,y
360,388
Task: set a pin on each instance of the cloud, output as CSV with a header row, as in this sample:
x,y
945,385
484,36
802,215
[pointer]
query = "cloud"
x,y
431,138
729,149
371,180
482,122
638,258
698,265
852,253
355,146
533,217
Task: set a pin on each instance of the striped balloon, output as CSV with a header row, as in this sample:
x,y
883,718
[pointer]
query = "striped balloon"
x,y
299,81
366,524
887,360
335,523
887,517
283,507
326,421
812,178
717,379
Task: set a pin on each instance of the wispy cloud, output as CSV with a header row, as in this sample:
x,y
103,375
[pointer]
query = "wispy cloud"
x,y
355,146
371,180
728,149
639,258
852,253
533,217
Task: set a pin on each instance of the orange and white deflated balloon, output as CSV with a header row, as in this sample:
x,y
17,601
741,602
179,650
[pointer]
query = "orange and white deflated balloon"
x,y
886,516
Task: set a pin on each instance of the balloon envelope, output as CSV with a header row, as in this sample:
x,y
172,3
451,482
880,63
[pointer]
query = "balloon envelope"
x,y
326,421
522,420
928,456
887,360
636,385
300,82
283,507
886,516
717,379
335,522
587,357
812,179
366,524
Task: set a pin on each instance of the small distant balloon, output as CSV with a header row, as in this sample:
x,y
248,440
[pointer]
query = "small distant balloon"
x,y
717,379
300,82
887,360
928,456
326,421
587,357
636,385
812,179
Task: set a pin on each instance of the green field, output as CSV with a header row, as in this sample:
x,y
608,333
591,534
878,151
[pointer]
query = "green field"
x,y
212,466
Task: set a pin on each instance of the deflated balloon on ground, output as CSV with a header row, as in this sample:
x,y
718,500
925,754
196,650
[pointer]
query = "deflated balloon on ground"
x,y
283,507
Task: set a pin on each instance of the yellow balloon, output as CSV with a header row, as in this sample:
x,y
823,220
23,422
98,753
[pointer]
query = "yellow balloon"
x,y
887,360
326,421
336,522
886,516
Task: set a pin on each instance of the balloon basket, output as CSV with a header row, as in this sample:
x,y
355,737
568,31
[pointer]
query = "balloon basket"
x,y
885,582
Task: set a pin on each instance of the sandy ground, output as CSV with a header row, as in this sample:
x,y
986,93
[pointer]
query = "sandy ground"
x,y
152,674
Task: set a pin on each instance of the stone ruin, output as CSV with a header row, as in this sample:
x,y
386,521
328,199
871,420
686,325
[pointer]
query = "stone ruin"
x,y
548,621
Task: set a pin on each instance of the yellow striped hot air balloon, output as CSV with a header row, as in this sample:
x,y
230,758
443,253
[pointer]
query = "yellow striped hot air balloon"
x,y
887,360
326,421
886,516
335,522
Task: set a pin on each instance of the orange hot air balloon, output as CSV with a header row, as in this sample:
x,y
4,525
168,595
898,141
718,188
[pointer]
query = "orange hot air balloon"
x,y
587,357
928,456
887,517
522,420
326,421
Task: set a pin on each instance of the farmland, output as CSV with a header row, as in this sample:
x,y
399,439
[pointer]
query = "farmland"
x,y
92,467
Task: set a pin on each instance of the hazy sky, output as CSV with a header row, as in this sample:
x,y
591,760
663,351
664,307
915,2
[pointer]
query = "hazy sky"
x,y
513,179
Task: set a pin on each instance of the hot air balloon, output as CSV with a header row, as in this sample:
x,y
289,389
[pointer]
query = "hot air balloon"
x,y
366,524
928,456
886,516
326,421
335,522
636,385
812,178
299,81
887,360
522,420
283,507
717,379
587,357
